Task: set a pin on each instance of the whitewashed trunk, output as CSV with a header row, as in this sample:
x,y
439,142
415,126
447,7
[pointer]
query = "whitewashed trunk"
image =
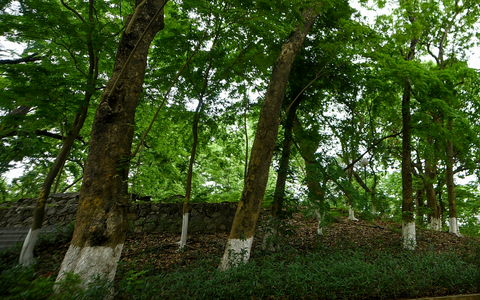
x,y
321,217
435,224
183,238
89,262
351,213
454,227
269,239
409,236
236,252
26,256
374,209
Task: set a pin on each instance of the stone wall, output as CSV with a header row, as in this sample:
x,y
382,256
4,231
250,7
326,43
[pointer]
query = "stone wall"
x,y
143,217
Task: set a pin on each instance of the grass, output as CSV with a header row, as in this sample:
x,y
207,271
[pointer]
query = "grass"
x,y
337,266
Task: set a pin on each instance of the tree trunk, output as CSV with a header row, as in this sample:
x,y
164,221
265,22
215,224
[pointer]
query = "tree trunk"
x,y
243,228
271,231
373,193
452,206
188,190
26,254
420,202
351,211
408,209
307,146
367,189
101,221
433,212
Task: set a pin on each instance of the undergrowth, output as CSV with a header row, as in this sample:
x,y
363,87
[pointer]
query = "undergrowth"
x,y
340,275
345,271
314,275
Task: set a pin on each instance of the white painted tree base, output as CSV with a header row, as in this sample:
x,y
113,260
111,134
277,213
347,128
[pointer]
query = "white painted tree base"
x,y
320,217
435,224
26,256
183,238
89,262
269,239
454,227
409,236
351,214
236,252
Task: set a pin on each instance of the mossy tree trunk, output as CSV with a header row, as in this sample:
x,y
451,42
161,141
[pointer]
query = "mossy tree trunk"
x,y
101,221
243,228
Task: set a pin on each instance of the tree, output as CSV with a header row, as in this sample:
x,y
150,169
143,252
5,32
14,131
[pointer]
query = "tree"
x,y
101,221
243,228
91,47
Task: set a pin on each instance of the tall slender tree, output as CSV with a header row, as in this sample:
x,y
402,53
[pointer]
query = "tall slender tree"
x,y
243,228
92,49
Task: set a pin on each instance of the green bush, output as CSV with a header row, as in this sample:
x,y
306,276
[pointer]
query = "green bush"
x,y
21,282
341,275
320,275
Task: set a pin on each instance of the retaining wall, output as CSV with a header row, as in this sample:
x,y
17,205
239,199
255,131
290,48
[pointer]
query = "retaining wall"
x,y
143,217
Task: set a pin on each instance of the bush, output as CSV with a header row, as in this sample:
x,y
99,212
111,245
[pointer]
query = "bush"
x,y
341,275
21,282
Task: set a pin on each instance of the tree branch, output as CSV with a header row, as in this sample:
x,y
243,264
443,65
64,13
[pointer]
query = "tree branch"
x,y
370,148
40,133
30,58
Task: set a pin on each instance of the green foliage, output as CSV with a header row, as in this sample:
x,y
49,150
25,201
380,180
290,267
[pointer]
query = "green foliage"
x,y
19,282
348,275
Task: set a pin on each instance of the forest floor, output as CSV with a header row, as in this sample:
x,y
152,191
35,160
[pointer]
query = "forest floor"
x,y
159,251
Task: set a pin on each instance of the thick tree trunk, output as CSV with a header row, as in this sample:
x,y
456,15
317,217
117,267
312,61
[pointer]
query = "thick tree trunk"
x,y
452,206
243,228
101,221
271,231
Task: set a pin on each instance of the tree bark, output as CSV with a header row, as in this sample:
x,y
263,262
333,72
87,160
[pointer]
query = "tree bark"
x,y
420,202
452,206
188,190
101,221
243,228
408,209
433,210
26,254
